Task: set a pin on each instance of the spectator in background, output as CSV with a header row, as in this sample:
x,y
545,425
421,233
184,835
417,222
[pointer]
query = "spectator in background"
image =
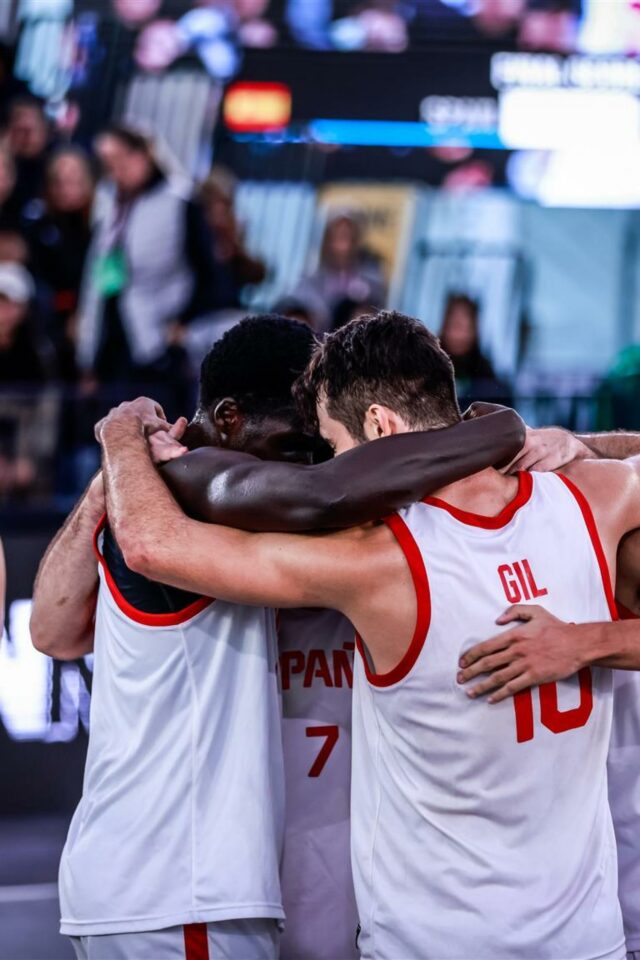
x,y
234,266
27,411
22,359
294,309
346,271
9,207
459,337
29,140
373,25
148,273
13,247
59,239
550,25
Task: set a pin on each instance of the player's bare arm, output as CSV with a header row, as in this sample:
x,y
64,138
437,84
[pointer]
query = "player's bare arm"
x,y
368,482
551,448
539,648
66,585
277,570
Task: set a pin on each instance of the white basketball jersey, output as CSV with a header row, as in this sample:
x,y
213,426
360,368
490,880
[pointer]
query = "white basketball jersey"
x,y
181,818
624,793
480,830
316,657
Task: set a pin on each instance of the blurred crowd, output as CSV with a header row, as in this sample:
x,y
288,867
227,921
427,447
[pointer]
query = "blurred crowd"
x,y
105,261
116,274
152,35
214,30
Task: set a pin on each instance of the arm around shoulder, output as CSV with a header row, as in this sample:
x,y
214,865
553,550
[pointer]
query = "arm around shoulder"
x,y
66,585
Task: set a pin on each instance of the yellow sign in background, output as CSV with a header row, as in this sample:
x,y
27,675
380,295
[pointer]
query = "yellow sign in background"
x,y
387,215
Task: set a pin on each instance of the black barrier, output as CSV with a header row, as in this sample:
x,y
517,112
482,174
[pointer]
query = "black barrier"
x,y
43,704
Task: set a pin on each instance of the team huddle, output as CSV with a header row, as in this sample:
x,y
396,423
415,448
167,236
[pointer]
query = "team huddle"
x,y
360,705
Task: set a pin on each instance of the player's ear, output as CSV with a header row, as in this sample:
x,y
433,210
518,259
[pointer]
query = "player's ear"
x,y
379,422
227,418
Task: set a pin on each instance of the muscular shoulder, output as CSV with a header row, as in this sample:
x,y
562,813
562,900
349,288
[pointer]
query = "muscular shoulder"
x,y
603,479
612,488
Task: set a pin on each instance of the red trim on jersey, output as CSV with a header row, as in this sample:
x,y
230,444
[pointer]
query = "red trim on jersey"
x,y
624,613
139,616
525,486
590,522
423,599
196,942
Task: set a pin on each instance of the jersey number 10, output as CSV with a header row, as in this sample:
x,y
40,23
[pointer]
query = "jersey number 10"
x,y
551,717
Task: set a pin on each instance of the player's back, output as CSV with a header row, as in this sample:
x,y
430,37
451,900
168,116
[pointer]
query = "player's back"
x,y
483,830
316,655
182,811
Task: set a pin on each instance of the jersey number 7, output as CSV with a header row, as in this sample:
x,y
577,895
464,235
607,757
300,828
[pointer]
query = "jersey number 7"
x,y
331,734
551,717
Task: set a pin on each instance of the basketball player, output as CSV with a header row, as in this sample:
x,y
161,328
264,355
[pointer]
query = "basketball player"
x,y
476,832
548,650
133,883
316,648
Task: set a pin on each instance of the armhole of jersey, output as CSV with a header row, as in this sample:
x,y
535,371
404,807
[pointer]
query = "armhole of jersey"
x,y
138,616
420,579
589,519
624,613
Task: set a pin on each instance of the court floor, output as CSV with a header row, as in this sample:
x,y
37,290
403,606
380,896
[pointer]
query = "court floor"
x,y
29,853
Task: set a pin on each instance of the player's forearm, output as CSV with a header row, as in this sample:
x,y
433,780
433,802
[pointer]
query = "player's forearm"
x,y
145,519
615,645
612,446
66,585
222,486
157,540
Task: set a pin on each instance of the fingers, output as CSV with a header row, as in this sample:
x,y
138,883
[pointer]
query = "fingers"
x,y
177,430
529,460
164,447
495,682
523,682
487,665
519,611
549,463
153,425
486,648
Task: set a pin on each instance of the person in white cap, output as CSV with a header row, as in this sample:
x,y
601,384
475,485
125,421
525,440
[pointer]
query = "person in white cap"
x,y
19,359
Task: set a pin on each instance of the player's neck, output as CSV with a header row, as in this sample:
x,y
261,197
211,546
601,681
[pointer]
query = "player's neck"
x,y
486,493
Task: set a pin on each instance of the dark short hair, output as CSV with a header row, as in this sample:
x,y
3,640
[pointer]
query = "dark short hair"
x,y
257,362
25,101
464,301
137,139
130,136
385,358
